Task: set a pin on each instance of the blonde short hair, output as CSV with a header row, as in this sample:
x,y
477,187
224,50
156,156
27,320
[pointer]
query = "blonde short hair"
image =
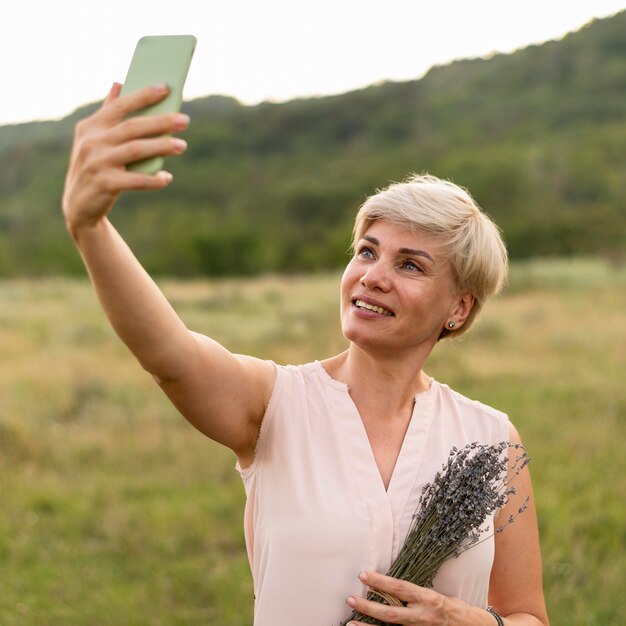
x,y
471,241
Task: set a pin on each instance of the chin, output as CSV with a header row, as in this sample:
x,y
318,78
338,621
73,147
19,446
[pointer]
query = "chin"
x,y
364,339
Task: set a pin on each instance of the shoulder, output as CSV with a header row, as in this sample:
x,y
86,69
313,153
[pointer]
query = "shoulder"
x,y
284,384
468,404
470,415
308,374
295,389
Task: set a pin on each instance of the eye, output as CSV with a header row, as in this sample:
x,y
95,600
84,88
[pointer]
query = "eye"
x,y
365,253
410,266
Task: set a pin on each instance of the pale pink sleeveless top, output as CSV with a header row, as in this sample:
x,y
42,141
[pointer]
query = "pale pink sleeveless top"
x,y
317,511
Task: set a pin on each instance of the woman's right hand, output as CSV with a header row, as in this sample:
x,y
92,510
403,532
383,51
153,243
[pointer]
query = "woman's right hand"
x,y
106,142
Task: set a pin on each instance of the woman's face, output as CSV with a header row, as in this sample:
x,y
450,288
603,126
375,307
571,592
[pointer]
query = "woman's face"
x,y
397,291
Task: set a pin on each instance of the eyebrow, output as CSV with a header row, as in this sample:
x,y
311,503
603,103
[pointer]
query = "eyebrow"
x,y
409,251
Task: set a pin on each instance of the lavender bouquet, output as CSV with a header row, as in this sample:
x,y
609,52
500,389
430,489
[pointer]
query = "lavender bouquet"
x,y
451,514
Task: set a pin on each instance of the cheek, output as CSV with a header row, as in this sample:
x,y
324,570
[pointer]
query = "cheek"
x,y
348,279
344,297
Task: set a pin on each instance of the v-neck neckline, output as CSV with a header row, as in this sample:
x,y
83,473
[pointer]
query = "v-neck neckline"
x,y
385,507
404,461
417,428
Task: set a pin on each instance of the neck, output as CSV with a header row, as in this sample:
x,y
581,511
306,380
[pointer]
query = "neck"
x,y
390,382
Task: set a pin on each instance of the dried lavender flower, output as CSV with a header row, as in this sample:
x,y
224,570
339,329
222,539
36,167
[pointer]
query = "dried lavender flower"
x,y
450,516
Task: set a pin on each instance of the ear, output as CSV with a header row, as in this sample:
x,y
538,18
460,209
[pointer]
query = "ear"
x,y
462,309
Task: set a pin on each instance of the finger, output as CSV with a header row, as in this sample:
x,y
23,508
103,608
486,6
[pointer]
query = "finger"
x,y
149,126
401,589
119,107
135,181
158,181
114,93
383,612
140,149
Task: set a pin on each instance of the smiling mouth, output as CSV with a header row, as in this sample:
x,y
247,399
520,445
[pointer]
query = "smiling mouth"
x,y
360,304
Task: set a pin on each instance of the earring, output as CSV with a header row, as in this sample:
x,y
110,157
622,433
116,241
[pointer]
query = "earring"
x,y
451,324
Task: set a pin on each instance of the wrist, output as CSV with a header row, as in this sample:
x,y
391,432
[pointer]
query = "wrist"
x,y
459,613
77,228
497,617
456,612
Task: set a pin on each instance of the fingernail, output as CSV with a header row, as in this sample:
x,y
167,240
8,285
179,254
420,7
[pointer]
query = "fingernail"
x,y
363,576
179,144
181,121
351,601
161,88
165,176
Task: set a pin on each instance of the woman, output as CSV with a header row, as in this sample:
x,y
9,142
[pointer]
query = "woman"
x,y
333,454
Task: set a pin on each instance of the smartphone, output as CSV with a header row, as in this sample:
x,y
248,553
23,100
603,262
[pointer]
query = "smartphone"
x,y
162,59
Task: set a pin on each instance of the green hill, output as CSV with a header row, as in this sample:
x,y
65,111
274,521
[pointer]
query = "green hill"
x,y
538,136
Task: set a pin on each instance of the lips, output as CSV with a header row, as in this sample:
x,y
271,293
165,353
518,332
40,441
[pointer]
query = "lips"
x,y
369,305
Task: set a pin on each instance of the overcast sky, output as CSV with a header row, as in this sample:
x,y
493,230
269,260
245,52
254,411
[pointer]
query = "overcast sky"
x,y
59,55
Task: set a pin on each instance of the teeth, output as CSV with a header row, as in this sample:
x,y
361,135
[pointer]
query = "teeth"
x,y
372,307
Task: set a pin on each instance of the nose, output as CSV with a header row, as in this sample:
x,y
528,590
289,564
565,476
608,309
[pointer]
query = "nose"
x,y
377,277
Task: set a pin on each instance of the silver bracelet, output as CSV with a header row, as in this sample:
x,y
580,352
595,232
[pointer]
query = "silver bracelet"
x,y
491,610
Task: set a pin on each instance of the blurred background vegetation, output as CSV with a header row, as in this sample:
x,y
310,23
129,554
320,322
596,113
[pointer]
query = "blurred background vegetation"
x,y
538,136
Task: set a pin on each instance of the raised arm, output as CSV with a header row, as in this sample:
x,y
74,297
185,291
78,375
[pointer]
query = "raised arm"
x,y
221,394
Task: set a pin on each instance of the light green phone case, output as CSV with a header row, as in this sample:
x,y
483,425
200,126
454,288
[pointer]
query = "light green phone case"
x,y
162,59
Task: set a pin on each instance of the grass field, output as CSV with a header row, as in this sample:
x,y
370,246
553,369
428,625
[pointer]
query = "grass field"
x,y
113,511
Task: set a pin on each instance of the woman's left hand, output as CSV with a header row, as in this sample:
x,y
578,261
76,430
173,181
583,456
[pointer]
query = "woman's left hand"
x,y
422,605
